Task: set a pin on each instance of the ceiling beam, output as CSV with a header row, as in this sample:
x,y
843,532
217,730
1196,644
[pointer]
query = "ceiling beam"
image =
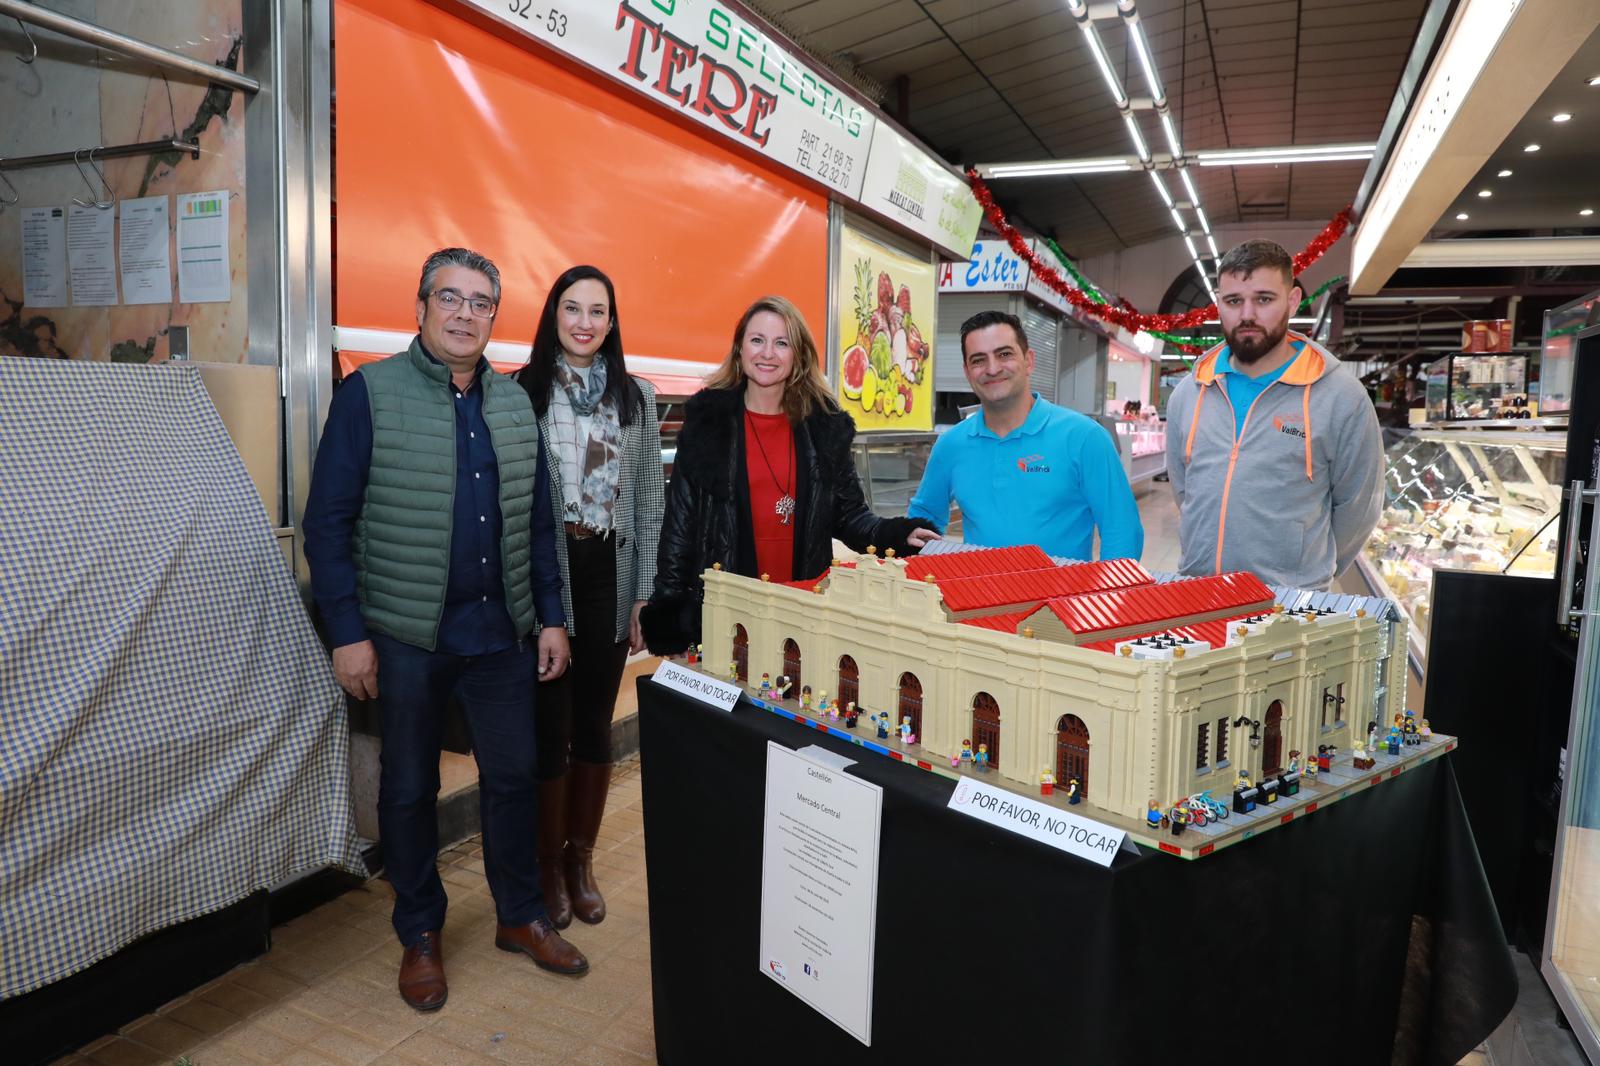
x,y
1505,252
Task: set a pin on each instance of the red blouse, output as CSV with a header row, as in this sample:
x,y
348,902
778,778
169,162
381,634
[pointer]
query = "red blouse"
x,y
769,460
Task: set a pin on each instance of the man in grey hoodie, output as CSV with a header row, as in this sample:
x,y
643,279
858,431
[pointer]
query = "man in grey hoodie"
x,y
1273,450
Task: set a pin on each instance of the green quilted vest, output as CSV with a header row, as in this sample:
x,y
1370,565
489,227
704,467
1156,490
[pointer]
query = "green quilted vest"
x,y
402,543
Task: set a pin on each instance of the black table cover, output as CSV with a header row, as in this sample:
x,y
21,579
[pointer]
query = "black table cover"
x,y
1364,933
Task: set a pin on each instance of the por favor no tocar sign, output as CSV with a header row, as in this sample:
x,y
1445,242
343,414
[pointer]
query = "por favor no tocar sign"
x,y
1083,837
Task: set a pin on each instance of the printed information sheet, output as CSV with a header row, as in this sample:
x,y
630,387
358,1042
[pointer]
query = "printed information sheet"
x,y
204,275
145,259
44,256
819,887
91,254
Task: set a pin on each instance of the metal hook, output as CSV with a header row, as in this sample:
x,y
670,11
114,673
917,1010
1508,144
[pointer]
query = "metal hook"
x,y
34,44
111,199
15,196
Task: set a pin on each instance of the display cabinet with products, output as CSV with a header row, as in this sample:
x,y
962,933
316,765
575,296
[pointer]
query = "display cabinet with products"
x,y
1143,443
1561,324
1485,501
1462,387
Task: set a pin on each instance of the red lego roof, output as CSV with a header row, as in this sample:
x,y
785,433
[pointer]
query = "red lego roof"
x,y
1150,605
984,561
1213,633
811,585
1032,586
1003,623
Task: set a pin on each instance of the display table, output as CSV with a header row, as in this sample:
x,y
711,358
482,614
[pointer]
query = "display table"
x,y
1366,934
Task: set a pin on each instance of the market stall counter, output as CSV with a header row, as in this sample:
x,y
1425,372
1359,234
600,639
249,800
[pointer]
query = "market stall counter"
x,y
1366,934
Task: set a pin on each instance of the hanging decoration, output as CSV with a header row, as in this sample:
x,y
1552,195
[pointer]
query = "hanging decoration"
x,y
1121,313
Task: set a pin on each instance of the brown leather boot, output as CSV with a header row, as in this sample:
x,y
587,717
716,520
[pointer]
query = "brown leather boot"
x,y
552,840
422,973
540,942
590,784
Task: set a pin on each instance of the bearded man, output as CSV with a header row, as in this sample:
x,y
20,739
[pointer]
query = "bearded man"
x,y
1273,449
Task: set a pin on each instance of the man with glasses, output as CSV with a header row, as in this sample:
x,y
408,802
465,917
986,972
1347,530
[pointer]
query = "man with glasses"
x,y
432,550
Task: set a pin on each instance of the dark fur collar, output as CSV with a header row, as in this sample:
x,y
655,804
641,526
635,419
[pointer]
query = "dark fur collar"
x,y
714,421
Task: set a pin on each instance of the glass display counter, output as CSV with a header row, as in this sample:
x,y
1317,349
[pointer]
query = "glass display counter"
x,y
1463,386
891,466
1144,445
1467,500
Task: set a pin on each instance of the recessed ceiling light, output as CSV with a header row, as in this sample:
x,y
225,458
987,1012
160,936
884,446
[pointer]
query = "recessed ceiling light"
x,y
1461,216
1484,193
1504,174
1595,80
1561,117
1587,211
1531,148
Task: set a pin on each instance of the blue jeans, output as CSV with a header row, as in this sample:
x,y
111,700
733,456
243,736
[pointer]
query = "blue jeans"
x,y
497,693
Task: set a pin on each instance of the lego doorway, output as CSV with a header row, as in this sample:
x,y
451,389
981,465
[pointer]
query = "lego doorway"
x,y
1272,740
911,702
741,654
849,682
791,665
986,725
1072,752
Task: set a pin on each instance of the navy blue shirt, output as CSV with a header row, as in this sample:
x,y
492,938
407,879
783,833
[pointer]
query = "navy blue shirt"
x,y
475,620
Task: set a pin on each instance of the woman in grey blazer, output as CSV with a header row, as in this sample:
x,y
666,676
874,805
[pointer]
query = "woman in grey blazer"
x,y
602,449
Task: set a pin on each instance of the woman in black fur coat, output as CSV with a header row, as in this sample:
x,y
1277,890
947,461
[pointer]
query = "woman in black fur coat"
x,y
763,480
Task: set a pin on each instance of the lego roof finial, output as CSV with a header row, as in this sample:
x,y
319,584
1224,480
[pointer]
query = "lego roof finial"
x,y
1177,653
1127,649
1277,608
928,578
889,554
1361,612
766,577
872,549
716,566
1027,631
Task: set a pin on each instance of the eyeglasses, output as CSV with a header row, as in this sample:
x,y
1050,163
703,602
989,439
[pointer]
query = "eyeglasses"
x,y
451,300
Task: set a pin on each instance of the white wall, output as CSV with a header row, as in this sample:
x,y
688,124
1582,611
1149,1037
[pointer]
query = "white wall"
x,y
1143,273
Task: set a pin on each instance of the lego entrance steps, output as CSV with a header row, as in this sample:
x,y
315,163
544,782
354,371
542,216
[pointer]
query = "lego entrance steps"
x,y
1341,780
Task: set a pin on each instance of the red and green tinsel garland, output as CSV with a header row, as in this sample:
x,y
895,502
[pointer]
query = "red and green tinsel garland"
x,y
1121,313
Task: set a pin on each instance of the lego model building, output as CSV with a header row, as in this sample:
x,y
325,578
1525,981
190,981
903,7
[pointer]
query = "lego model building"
x,y
1095,678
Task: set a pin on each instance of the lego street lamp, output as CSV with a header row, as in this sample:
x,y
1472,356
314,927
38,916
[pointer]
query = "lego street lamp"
x,y
1255,729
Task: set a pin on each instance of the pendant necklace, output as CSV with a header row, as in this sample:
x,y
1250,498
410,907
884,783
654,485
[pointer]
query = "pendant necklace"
x,y
785,505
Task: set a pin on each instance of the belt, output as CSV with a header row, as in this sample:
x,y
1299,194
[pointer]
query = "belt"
x,y
579,531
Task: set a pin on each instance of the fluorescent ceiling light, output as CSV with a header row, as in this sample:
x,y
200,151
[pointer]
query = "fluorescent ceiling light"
x,y
1561,117
1462,216
1503,174
1188,185
1594,80
1103,61
1047,168
1212,241
1531,148
1172,135
1205,223
1161,187
1321,153
1587,211
1133,131
1142,48
1194,253
1484,194
1430,299
1179,220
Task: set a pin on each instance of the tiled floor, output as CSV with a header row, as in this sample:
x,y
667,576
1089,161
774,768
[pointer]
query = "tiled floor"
x,y
325,994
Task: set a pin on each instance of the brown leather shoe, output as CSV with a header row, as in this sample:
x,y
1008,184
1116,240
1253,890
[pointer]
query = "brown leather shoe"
x,y
552,839
422,973
540,942
590,784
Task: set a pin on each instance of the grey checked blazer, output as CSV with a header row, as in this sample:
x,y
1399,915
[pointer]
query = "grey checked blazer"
x,y
636,520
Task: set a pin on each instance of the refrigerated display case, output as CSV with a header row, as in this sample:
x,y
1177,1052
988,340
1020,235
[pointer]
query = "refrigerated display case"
x,y
1485,501
1144,446
1561,324
890,466
1462,386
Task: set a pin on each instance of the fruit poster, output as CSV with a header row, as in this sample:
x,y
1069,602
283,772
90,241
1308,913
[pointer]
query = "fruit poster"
x,y
886,329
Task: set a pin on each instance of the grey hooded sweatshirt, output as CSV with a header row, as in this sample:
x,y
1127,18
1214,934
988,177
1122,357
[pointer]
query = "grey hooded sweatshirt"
x,y
1296,494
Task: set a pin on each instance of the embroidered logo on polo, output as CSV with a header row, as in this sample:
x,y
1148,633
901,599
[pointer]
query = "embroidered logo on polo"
x,y
1032,464
1282,426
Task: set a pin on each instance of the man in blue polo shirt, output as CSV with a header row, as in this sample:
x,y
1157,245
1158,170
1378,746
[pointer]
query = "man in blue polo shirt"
x,y
1024,470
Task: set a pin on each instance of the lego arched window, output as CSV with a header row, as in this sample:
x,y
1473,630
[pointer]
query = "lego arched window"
x,y
849,681
741,654
911,701
1272,740
1072,752
986,726
791,665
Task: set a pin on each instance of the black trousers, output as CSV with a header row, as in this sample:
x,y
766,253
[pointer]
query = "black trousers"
x,y
574,719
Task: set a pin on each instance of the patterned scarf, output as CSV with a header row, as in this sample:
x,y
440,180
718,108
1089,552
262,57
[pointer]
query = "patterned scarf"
x,y
597,493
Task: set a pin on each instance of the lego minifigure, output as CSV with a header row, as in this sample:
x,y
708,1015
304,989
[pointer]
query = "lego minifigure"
x,y
1047,783
1324,757
824,707
882,718
966,752
1372,735
805,696
1392,742
1294,762
906,735
693,654
766,683
1152,817
1073,794
851,715
1179,815
784,687
1243,781
1359,759
1425,730
1412,737
733,671
1311,769
981,761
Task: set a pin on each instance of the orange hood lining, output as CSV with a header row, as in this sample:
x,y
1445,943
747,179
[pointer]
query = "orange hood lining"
x,y
1304,369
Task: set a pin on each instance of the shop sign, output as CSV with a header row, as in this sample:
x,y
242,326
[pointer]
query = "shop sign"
x,y
907,185
994,267
706,61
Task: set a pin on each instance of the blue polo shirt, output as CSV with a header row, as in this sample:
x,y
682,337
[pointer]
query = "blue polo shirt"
x,y
1242,389
1051,482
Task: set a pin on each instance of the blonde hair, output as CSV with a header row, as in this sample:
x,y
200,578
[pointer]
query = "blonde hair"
x,y
806,390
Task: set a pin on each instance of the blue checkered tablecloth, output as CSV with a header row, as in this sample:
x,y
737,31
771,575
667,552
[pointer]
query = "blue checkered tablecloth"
x,y
171,735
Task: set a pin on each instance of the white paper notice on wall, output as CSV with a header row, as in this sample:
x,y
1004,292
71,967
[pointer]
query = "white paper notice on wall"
x,y
92,254
703,687
44,256
143,253
1083,837
819,886
204,274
